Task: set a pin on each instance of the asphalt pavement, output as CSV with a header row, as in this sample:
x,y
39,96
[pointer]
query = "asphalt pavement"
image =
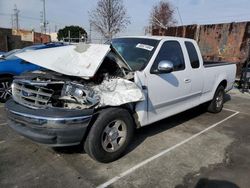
x,y
192,149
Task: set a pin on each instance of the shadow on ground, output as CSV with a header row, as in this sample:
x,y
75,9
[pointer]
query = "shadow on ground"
x,y
227,98
148,131
206,183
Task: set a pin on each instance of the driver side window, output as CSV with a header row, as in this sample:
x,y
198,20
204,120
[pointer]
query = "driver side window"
x,y
170,51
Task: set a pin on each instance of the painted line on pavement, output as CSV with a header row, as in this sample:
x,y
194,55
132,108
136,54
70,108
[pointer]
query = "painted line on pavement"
x,y
2,141
230,110
131,170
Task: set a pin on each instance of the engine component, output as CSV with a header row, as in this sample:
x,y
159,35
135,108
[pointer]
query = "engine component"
x,y
78,95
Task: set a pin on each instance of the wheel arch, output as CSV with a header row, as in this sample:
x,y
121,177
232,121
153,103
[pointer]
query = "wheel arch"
x,y
223,83
129,107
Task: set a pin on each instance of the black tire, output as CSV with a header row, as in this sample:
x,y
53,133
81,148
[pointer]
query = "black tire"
x,y
5,89
107,121
216,105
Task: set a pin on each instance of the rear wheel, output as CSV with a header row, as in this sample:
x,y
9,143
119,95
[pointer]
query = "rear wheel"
x,y
5,89
110,135
216,105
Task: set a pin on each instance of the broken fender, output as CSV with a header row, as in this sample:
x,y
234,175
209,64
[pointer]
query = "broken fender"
x,y
115,92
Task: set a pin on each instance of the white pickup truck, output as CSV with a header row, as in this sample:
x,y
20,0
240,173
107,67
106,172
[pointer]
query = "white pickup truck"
x,y
96,95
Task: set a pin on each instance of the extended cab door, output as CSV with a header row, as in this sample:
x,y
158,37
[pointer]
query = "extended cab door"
x,y
196,71
168,93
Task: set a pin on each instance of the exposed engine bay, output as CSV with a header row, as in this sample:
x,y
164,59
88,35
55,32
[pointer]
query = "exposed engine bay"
x,y
112,85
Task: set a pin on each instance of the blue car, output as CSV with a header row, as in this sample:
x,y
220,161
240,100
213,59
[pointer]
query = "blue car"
x,y
5,54
11,65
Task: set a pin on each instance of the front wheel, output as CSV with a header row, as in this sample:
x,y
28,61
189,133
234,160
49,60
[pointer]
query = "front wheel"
x,y
216,104
110,135
5,89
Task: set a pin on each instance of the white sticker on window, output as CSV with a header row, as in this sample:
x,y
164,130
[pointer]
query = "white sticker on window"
x,y
145,47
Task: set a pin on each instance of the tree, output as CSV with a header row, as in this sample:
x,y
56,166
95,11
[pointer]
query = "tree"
x,y
109,18
162,15
76,32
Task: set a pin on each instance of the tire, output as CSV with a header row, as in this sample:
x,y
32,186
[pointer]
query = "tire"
x,y
216,105
110,135
5,89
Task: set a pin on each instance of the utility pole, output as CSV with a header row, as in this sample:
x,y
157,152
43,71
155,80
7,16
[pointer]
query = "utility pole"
x,y
44,17
41,21
16,17
45,23
69,36
179,15
12,21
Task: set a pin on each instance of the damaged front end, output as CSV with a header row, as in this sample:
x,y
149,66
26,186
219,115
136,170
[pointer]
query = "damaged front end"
x,y
111,85
55,106
74,94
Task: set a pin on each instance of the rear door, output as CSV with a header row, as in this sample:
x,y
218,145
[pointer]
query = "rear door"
x,y
196,72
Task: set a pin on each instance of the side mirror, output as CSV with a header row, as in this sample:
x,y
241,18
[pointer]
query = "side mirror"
x,y
165,67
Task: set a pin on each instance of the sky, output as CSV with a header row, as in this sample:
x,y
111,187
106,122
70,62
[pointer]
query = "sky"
x,y
76,12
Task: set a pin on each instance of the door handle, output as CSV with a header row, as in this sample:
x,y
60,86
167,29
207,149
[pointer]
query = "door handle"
x,y
187,80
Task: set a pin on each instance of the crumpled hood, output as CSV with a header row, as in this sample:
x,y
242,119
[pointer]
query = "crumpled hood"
x,y
82,60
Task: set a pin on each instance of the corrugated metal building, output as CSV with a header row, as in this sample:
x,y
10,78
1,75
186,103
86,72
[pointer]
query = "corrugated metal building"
x,y
223,42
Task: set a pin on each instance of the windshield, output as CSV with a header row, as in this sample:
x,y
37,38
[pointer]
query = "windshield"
x,y
136,51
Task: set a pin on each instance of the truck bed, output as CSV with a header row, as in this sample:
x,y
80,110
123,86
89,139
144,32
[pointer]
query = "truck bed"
x,y
208,64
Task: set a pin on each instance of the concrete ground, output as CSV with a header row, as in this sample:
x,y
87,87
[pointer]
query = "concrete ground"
x,y
192,149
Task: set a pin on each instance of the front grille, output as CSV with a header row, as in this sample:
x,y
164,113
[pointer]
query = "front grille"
x,y
30,94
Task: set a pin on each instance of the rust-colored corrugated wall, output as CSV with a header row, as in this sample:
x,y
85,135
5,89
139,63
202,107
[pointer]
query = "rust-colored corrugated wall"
x,y
224,42
41,38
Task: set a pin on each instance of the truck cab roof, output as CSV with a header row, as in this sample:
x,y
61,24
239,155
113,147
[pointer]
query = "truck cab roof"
x,y
160,38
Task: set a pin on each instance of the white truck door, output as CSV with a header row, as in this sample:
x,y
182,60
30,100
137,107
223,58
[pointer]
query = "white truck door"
x,y
168,93
196,71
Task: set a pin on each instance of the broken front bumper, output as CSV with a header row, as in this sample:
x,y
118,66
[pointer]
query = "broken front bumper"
x,y
52,126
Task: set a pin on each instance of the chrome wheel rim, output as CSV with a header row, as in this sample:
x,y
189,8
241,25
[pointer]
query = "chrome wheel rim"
x,y
219,99
114,135
5,90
